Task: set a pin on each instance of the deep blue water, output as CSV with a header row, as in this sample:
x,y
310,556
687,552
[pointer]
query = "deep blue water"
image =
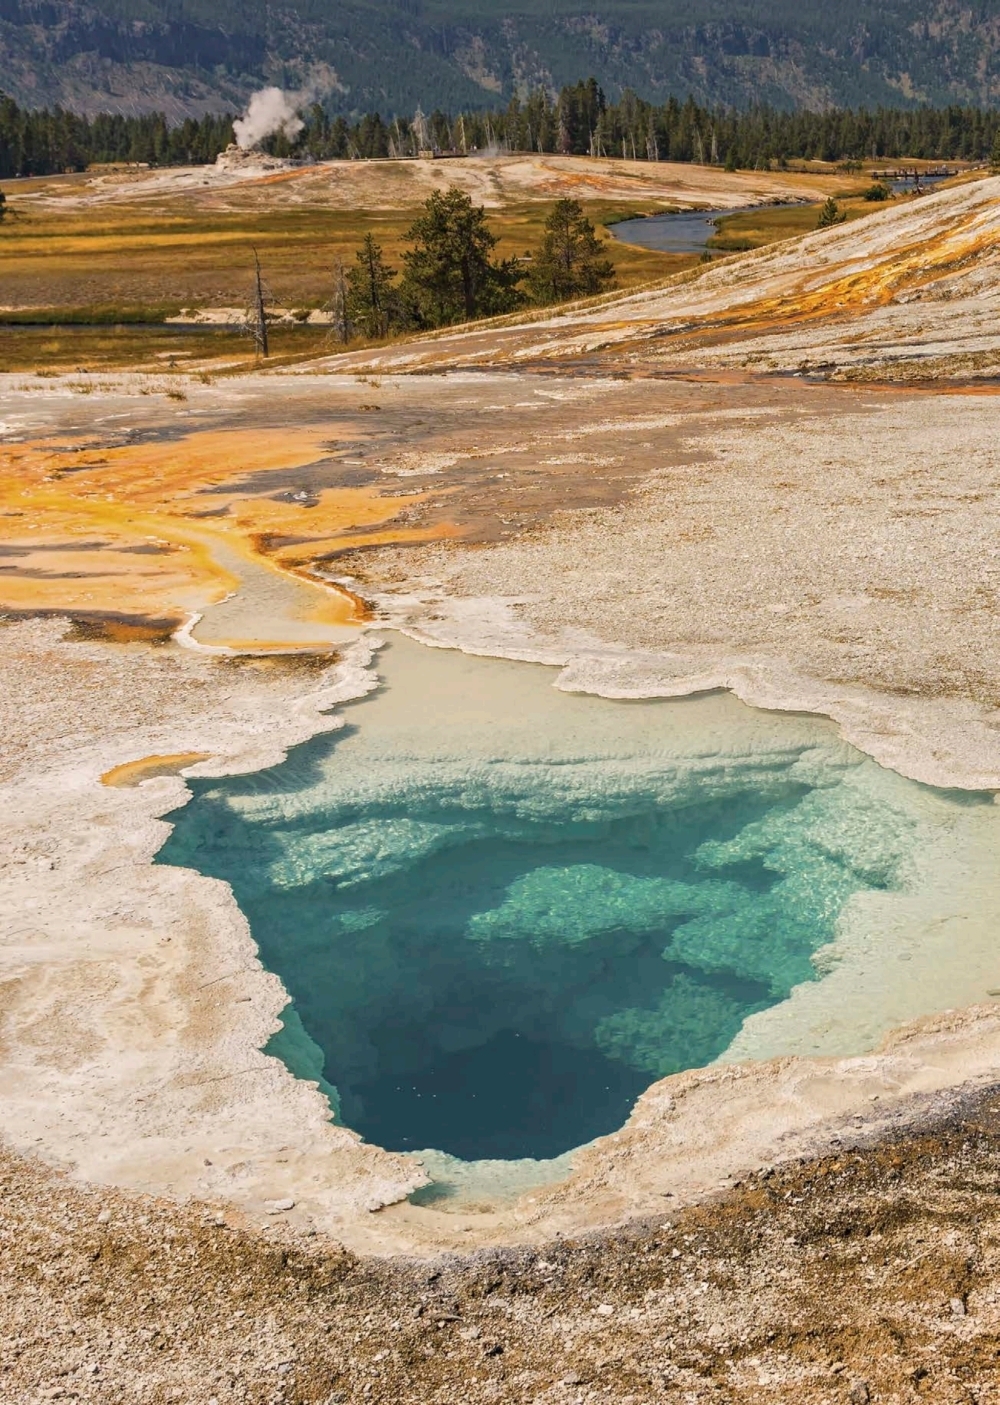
x,y
494,938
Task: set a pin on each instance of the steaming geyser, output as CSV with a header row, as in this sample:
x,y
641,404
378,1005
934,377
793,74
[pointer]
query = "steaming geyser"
x,y
501,910
268,112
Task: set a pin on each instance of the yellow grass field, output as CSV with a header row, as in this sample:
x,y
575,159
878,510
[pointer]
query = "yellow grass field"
x,y
94,265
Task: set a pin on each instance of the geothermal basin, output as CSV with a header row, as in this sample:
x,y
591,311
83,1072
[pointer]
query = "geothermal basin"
x,y
501,910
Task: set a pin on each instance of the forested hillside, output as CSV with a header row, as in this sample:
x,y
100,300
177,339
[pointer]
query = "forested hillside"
x,y
185,57
580,121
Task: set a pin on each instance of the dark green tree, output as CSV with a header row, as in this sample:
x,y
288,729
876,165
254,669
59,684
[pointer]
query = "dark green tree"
x,y
581,120
3,206
830,214
370,300
570,262
451,275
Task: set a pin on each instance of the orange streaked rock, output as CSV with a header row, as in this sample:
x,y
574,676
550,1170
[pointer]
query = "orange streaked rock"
x,y
132,772
91,528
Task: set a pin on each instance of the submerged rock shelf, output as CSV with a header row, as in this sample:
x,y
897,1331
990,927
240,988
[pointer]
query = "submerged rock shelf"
x,y
501,911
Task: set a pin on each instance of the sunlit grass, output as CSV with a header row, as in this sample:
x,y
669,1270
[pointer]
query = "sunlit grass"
x,y
96,282
92,287
751,229
146,347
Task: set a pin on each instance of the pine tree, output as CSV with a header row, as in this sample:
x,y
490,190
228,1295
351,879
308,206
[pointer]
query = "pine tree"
x,y
570,262
451,275
370,299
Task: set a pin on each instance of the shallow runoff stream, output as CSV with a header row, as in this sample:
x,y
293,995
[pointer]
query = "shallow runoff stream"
x,y
501,910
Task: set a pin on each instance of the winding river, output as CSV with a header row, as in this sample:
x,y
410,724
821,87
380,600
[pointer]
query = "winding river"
x,y
688,231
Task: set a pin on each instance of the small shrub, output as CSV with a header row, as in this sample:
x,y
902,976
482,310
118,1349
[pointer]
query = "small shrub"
x,y
830,214
878,192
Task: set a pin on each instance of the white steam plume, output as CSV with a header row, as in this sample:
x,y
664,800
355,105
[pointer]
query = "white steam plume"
x,y
269,111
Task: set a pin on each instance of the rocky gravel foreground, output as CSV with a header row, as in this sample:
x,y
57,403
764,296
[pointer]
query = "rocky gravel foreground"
x,y
871,1275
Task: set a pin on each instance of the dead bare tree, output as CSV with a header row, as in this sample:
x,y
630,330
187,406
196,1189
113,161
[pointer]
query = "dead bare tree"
x,y
255,322
340,321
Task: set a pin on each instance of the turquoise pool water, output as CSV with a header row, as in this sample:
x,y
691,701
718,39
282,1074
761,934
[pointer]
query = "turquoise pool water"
x,y
501,911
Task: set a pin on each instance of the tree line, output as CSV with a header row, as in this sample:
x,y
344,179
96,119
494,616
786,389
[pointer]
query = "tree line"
x,y
51,140
578,121
582,122
450,272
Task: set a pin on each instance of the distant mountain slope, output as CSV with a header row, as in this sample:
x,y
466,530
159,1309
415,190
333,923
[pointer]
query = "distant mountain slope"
x,y
189,56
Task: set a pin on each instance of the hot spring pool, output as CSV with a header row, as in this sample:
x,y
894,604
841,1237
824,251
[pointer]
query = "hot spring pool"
x,y
501,911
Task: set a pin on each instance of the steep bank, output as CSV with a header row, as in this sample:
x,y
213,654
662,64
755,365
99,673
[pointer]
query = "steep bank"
x,y
868,1274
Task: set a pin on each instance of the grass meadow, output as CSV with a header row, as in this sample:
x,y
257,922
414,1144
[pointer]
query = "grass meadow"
x,y
89,284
